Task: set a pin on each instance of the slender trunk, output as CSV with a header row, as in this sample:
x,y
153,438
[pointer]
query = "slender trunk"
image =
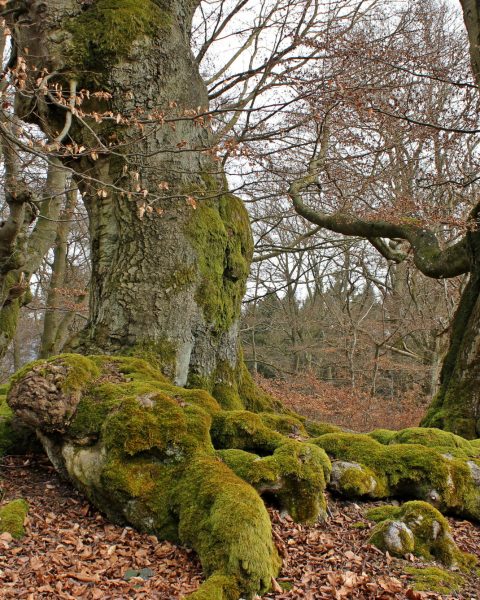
x,y
53,317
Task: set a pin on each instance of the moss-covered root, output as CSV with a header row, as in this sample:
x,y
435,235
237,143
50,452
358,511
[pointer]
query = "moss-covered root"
x,y
420,528
442,441
140,449
227,523
12,518
364,467
295,476
217,587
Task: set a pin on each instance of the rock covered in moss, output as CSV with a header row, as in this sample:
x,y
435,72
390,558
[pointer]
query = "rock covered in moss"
x,y
420,528
12,518
352,479
394,537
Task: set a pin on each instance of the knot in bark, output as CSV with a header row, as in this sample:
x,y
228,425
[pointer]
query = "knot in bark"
x,y
41,399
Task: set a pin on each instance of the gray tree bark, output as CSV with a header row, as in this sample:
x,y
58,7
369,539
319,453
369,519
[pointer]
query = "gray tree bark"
x,y
170,247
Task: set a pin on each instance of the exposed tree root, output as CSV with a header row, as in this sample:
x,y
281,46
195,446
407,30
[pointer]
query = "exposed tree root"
x,y
172,462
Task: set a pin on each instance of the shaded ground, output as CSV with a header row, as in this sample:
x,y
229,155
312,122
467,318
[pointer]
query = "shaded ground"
x,y
72,552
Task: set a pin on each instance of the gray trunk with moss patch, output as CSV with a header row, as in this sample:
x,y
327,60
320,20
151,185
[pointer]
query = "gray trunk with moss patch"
x,y
167,277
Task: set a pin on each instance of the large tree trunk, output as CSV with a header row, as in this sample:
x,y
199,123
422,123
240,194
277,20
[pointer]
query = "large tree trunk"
x,y
456,406
170,247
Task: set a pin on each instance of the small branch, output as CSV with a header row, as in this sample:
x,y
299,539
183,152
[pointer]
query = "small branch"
x,y
68,119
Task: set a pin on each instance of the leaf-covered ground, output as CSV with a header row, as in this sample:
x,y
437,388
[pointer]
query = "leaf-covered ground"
x,y
71,552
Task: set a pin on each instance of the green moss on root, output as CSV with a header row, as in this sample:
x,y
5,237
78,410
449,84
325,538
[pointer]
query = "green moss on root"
x,y
243,430
294,475
316,429
217,587
410,470
443,441
12,517
383,436
140,448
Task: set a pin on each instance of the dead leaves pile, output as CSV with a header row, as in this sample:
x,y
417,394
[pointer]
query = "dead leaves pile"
x,y
71,552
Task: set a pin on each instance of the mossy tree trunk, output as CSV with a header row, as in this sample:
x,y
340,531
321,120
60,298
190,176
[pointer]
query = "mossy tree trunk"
x,y
170,247
456,406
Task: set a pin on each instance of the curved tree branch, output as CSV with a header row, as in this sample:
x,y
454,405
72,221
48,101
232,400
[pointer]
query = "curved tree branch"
x,y
428,256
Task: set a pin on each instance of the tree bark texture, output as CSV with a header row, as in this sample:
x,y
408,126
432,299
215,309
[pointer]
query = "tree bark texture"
x,y
170,247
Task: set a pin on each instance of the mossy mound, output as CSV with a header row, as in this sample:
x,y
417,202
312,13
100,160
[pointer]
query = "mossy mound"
x,y
12,518
419,528
405,471
150,454
384,436
316,429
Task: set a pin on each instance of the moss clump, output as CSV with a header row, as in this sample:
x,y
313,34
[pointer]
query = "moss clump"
x,y
316,429
475,445
243,430
12,518
383,436
435,579
103,34
217,587
284,424
420,528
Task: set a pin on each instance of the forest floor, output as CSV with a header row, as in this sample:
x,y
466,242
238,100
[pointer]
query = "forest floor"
x,y
71,552
345,406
